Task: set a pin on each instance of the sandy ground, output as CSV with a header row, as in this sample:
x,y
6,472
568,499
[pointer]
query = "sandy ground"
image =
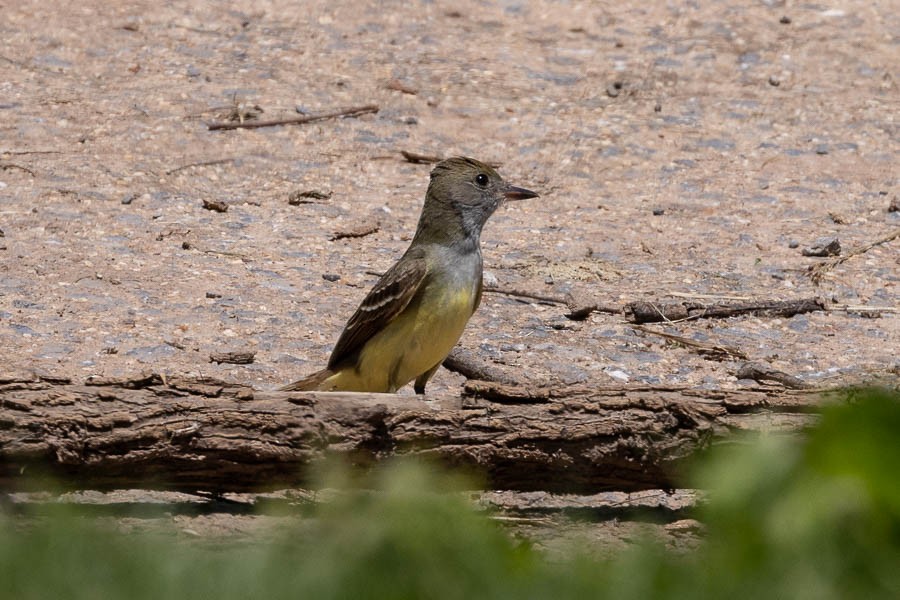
x,y
686,149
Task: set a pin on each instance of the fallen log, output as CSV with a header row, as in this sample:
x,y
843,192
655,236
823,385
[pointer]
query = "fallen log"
x,y
207,435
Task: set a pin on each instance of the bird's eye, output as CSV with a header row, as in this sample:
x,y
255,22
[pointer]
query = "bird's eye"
x,y
481,180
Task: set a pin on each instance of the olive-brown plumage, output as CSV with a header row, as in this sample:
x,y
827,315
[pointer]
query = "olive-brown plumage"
x,y
415,314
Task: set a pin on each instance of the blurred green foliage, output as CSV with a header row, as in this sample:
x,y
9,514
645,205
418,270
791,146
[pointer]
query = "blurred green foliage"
x,y
793,517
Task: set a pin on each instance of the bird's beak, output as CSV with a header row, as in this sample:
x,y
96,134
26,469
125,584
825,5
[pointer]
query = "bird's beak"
x,y
516,193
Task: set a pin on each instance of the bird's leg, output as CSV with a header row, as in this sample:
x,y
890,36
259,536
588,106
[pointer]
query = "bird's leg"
x,y
421,380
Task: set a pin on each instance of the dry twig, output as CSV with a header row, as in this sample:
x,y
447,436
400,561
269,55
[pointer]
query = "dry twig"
x,y
7,166
416,158
649,312
712,351
398,86
541,298
356,232
298,197
817,272
708,296
759,372
348,112
233,358
204,163
471,366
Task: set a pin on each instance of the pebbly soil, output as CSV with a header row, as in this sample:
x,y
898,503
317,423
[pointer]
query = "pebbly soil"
x,y
681,152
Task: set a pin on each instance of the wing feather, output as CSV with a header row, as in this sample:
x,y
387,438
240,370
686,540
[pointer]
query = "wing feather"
x,y
383,303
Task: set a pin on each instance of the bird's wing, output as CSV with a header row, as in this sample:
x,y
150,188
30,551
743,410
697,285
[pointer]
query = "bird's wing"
x,y
384,302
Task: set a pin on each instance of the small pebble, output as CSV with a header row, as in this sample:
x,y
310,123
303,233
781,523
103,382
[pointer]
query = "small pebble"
x,y
331,277
619,374
489,280
774,81
793,244
823,246
213,295
657,212
822,149
785,20
613,89
894,206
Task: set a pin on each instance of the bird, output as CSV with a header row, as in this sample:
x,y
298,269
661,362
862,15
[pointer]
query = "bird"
x,y
410,320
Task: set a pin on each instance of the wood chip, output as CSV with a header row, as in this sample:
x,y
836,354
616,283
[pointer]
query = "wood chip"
x,y
233,358
215,205
356,232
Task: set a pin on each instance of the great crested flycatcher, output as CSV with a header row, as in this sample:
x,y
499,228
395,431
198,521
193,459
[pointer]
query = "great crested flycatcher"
x,y
415,314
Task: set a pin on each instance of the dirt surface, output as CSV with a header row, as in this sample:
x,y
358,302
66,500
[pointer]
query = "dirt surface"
x,y
692,150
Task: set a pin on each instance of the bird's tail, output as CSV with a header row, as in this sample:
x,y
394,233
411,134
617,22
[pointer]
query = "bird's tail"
x,y
310,383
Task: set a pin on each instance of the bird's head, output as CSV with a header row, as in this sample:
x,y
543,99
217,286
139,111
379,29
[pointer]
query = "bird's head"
x,y
464,193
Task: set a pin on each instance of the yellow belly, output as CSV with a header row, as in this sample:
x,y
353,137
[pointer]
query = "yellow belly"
x,y
417,340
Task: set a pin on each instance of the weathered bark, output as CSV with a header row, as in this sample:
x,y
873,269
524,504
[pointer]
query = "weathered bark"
x,y
191,435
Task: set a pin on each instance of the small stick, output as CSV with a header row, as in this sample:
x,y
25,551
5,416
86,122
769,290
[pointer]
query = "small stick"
x,y
398,86
416,158
13,61
298,197
24,152
713,351
862,308
708,296
233,358
20,167
204,163
471,366
542,299
357,232
580,309
649,312
238,255
760,373
349,112
817,271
